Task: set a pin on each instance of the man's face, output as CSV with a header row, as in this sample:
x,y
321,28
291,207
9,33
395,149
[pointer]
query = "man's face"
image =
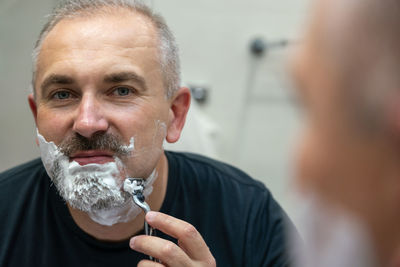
x,y
337,157
101,75
100,99
344,165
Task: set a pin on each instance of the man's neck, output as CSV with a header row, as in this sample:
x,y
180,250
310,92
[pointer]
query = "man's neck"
x,y
125,230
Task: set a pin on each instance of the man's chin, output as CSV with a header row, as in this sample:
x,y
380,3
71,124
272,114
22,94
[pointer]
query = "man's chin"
x,y
109,201
117,214
96,207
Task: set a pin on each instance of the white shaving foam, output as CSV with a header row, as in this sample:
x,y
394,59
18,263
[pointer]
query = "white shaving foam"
x,y
105,178
129,148
126,212
160,125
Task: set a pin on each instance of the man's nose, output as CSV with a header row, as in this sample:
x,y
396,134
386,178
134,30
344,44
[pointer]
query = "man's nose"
x,y
90,117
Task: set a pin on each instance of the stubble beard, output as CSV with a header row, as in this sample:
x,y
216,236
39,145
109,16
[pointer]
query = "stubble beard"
x,y
88,191
93,187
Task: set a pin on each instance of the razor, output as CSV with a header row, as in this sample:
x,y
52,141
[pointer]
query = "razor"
x,y
135,186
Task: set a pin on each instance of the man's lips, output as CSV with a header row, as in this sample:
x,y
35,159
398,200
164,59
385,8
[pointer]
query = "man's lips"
x,y
92,156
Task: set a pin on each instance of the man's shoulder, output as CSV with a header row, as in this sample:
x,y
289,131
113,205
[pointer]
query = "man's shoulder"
x,y
213,169
21,172
211,190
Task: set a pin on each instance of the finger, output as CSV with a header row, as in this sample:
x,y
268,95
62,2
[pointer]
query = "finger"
x,y
164,250
189,239
148,263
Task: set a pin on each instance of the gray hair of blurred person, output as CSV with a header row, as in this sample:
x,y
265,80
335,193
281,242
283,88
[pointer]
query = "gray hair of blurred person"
x,y
168,49
363,52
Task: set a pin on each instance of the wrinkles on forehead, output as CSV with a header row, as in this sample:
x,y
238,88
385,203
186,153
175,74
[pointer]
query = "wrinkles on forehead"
x,y
134,31
84,43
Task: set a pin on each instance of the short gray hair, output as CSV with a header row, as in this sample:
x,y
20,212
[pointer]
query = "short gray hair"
x,y
361,50
168,49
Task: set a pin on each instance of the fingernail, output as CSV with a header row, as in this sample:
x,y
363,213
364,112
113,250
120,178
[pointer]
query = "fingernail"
x,y
132,242
150,215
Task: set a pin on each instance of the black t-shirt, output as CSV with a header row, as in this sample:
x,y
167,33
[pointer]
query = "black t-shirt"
x,y
238,218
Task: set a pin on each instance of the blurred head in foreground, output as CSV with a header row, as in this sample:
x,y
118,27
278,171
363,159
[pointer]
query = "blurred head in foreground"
x,y
347,72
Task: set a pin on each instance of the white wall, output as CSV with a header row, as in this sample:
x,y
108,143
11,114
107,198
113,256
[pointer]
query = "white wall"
x,y
214,37
20,23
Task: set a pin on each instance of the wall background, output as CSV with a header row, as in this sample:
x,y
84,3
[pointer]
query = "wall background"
x,y
249,119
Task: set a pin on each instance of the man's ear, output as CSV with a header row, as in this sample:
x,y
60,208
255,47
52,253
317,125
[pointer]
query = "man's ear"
x,y
179,108
32,105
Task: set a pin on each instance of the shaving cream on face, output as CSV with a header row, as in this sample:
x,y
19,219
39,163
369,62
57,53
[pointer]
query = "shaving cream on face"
x,y
93,188
161,128
130,147
127,211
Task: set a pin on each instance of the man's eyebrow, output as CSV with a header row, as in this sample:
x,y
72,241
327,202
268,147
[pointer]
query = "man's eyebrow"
x,y
126,76
56,79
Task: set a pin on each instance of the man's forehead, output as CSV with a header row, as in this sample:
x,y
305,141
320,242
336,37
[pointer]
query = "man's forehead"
x,y
125,25
329,34
343,21
79,38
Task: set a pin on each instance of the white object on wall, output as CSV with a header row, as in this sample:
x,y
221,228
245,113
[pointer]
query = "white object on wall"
x,y
200,134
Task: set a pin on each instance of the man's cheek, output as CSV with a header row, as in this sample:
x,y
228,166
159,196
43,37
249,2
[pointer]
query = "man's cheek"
x,y
313,162
122,170
304,161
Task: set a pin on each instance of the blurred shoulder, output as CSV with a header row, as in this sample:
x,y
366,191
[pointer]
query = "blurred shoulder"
x,y
213,170
22,173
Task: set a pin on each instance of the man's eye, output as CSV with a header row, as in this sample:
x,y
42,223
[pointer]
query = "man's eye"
x,y
62,95
122,91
